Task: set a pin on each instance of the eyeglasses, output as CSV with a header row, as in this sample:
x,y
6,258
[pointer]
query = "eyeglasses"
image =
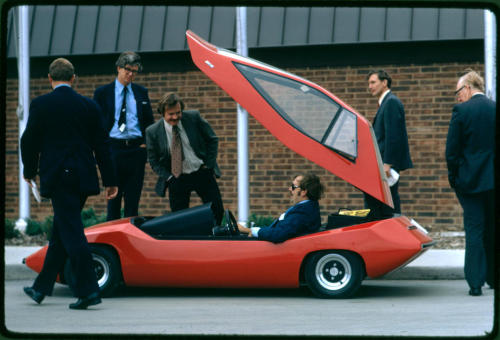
x,y
293,186
458,91
128,69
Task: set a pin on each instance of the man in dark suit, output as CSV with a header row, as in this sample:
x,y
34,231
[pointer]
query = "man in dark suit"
x,y
182,151
389,126
302,217
470,156
64,138
127,114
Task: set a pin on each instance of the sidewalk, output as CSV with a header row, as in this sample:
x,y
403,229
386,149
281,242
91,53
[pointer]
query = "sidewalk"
x,y
435,264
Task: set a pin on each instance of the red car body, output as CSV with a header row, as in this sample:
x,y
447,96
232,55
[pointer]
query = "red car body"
x,y
332,262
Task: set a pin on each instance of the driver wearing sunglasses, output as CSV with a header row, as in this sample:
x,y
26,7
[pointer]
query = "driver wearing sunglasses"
x,y
302,217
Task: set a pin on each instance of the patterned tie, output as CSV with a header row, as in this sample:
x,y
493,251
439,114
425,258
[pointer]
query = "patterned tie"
x,y
176,151
122,122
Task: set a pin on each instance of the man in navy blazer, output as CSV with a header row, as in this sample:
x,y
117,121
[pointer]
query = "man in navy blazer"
x,y
389,126
62,142
301,218
126,113
199,167
470,156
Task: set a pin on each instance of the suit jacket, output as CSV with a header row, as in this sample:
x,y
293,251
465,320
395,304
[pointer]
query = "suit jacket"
x,y
470,145
299,219
105,97
389,126
65,131
202,138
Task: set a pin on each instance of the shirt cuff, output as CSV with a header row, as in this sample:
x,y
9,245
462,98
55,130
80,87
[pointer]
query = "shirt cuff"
x,y
255,231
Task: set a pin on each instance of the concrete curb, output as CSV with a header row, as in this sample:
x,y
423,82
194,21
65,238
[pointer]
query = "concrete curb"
x,y
435,264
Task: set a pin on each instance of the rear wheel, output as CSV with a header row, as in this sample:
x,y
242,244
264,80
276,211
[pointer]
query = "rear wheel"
x,y
107,270
334,274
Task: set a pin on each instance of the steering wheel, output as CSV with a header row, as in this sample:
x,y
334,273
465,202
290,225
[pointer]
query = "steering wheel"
x,y
231,223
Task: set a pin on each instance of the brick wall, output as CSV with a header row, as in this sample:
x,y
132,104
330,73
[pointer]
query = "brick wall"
x,y
425,90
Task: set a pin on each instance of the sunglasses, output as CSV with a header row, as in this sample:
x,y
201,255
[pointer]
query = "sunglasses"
x,y
128,69
293,186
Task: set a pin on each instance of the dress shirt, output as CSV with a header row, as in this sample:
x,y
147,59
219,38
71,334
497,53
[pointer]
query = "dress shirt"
x,y
133,130
255,230
381,99
191,162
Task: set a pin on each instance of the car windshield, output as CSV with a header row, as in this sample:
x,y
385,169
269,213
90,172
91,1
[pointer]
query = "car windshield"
x,y
306,109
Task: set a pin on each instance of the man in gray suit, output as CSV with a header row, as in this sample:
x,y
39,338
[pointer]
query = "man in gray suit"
x,y
182,151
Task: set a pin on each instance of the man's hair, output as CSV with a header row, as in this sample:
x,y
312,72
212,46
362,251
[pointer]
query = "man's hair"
x,y
473,79
382,75
61,70
312,184
129,58
169,100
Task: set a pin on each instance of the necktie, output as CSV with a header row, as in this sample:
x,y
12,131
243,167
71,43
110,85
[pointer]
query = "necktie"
x,y
122,121
176,150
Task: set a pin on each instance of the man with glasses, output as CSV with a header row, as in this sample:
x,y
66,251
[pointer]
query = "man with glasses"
x,y
127,114
302,217
470,156
182,150
389,126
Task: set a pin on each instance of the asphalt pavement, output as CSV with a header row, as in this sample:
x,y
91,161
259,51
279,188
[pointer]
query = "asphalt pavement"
x,y
434,264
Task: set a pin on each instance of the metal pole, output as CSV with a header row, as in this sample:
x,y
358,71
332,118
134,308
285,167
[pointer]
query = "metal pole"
x,y
490,54
243,195
23,62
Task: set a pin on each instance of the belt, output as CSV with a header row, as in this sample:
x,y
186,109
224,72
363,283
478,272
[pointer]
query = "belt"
x,y
127,142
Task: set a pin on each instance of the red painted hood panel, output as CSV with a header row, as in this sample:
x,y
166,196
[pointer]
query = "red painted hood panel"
x,y
302,115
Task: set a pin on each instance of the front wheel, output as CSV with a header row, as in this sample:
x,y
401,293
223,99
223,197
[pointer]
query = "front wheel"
x,y
334,274
107,270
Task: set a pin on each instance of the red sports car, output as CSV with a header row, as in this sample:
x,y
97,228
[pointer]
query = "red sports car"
x,y
186,249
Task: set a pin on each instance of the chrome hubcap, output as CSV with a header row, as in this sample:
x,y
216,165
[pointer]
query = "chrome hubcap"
x,y
333,271
101,268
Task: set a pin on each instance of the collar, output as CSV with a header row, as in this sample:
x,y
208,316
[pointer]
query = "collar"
x,y
478,93
67,85
119,86
381,99
168,127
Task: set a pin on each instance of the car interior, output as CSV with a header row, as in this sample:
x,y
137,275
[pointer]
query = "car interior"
x,y
198,223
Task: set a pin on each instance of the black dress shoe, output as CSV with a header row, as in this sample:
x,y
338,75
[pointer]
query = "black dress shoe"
x,y
36,296
475,291
83,303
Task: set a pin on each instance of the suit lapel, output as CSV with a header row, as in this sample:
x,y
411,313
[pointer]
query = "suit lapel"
x,y
189,129
162,137
381,107
138,102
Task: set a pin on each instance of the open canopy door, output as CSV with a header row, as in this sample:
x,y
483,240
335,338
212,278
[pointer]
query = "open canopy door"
x,y
302,115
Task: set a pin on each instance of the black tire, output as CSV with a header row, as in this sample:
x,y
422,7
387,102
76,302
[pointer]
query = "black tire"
x,y
107,269
334,274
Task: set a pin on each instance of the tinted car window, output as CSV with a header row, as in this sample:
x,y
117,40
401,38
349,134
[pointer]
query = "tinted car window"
x,y
307,109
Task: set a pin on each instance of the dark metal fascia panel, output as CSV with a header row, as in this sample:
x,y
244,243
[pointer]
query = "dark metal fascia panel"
x,y
223,27
153,28
62,30
474,28
372,25
175,28
85,30
130,28
107,29
425,24
398,24
41,30
451,23
296,26
346,25
271,28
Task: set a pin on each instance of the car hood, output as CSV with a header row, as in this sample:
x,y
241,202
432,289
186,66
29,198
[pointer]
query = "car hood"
x,y
302,115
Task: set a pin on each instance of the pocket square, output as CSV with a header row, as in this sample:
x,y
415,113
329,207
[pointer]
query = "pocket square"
x,y
144,103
